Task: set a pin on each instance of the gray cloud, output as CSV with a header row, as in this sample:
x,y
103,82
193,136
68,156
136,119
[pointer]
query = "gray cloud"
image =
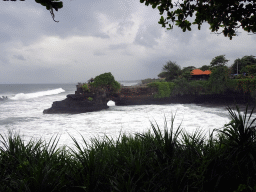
x,y
124,26
93,37
118,46
99,52
147,36
19,57
4,37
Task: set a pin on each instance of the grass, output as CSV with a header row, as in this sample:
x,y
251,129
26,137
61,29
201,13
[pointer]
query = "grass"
x,y
168,160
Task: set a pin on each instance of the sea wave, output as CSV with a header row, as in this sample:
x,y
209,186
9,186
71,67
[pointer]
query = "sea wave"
x,y
23,96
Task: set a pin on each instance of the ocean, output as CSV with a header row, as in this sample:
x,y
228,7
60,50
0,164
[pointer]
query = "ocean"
x,y
22,113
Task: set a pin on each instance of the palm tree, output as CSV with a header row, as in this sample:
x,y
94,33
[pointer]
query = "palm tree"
x,y
170,71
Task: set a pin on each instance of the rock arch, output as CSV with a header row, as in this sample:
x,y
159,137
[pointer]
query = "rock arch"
x,y
85,101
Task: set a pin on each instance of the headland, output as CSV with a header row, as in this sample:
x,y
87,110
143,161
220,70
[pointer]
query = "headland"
x,y
84,101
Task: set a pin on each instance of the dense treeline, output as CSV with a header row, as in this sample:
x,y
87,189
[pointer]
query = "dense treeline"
x,y
169,160
239,78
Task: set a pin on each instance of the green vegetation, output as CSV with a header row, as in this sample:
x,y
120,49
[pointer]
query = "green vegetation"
x,y
239,66
149,80
106,81
170,71
186,72
85,87
205,67
90,98
185,87
227,15
161,160
221,80
244,85
219,61
164,89
180,87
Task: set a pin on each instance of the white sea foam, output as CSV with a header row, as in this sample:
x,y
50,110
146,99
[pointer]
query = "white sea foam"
x,y
22,96
26,117
111,103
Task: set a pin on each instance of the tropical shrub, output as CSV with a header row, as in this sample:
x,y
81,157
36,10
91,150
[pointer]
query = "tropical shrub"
x,y
243,64
164,89
170,71
180,87
106,80
243,85
85,87
186,72
164,159
251,70
199,87
185,87
219,79
238,152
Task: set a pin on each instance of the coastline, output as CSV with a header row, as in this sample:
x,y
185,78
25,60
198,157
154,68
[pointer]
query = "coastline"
x,y
222,101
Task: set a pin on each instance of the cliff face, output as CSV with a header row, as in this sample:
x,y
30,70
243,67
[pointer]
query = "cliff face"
x,y
134,95
76,104
96,100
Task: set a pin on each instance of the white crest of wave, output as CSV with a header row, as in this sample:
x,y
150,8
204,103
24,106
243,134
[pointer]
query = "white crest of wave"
x,y
22,96
111,103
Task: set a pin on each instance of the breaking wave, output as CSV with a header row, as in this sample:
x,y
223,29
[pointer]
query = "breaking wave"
x,y
23,96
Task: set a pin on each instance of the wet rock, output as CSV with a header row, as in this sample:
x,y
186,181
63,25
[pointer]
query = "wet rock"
x,y
76,104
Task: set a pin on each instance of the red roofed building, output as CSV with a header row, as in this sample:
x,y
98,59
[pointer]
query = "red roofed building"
x,y
198,74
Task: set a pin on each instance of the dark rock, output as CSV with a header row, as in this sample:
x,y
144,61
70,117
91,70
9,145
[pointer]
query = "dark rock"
x,y
75,104
96,100
82,101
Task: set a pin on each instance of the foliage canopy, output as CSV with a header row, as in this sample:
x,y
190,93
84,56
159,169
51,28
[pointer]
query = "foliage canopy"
x,y
106,80
49,4
228,15
219,61
239,65
219,79
205,67
186,72
170,71
164,89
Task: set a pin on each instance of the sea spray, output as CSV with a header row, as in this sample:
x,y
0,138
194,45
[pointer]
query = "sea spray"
x,y
22,96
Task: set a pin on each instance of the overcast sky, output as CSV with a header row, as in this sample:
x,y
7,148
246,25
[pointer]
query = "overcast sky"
x,y
97,36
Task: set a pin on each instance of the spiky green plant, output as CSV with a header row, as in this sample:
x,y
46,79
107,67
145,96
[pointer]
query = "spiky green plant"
x,y
241,131
165,148
160,160
235,162
31,166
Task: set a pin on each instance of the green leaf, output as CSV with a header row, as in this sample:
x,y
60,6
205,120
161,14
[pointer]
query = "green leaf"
x,y
154,5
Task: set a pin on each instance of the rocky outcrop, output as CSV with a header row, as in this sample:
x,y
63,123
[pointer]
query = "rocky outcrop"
x,y
135,95
83,101
76,104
